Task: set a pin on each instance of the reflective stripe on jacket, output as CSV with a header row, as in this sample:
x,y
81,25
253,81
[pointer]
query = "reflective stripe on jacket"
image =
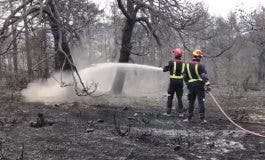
x,y
196,77
175,75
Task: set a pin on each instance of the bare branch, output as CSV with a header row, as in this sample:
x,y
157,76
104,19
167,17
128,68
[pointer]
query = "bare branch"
x,y
123,10
222,52
8,21
183,41
41,61
145,19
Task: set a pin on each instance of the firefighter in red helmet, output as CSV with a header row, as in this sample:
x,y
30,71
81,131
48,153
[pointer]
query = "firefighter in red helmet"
x,y
176,69
195,77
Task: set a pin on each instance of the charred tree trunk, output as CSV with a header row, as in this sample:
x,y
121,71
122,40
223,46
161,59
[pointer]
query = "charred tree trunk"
x,y
27,46
126,47
28,52
44,52
14,43
61,62
130,12
15,52
63,58
126,41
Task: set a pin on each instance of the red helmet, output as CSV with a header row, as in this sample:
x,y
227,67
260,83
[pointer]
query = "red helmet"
x,y
197,53
177,52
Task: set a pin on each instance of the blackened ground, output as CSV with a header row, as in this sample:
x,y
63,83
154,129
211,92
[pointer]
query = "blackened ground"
x,y
83,132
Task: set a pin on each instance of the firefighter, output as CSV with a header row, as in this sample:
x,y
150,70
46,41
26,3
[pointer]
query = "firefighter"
x,y
195,77
176,69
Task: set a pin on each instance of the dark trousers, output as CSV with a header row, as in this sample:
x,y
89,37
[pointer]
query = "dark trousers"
x,y
196,90
175,86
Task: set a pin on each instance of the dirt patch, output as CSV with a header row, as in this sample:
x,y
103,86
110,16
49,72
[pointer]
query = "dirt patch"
x,y
84,131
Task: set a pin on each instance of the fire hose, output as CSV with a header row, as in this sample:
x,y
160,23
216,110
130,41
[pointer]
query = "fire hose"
x,y
233,122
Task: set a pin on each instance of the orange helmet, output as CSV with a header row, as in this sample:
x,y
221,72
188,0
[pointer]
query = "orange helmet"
x,y
177,52
197,53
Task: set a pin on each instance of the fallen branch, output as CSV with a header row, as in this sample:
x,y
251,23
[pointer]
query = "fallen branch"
x,y
118,129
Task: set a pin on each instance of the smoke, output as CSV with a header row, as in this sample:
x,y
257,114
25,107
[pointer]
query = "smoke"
x,y
50,91
141,82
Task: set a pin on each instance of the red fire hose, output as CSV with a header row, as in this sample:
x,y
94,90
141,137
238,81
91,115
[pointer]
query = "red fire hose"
x,y
237,125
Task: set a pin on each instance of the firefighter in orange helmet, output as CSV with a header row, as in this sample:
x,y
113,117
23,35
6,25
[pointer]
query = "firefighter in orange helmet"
x,y
176,69
195,77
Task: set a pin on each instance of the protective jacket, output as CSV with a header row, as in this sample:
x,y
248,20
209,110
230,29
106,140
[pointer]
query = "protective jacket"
x,y
195,77
176,69
196,73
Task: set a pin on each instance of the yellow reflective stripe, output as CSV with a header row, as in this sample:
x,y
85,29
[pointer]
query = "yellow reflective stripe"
x,y
174,68
183,68
194,80
188,69
197,72
174,71
176,77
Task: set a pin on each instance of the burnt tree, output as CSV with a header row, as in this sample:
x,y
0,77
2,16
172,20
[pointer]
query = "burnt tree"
x,y
66,20
153,15
14,42
126,47
63,58
27,46
130,12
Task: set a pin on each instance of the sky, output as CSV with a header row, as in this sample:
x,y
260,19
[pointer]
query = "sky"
x,y
224,7
215,7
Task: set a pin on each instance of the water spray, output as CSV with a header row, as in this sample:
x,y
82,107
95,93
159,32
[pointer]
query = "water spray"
x,y
140,81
